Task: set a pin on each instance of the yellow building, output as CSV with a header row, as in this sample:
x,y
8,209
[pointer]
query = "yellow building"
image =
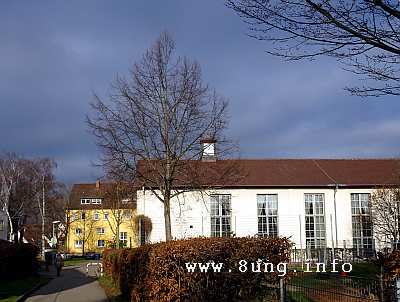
x,y
99,216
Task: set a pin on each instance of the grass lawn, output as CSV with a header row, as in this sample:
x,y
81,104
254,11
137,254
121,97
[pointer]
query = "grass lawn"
x,y
76,261
10,291
112,291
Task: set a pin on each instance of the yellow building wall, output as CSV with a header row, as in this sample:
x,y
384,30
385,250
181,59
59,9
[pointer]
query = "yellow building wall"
x,y
89,230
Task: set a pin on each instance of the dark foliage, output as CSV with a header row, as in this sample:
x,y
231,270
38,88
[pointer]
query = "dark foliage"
x,y
17,260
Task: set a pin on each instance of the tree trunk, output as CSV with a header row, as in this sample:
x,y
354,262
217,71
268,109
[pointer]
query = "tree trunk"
x,y
84,236
167,218
11,229
117,234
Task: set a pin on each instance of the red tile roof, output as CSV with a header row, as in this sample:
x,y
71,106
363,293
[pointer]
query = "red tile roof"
x,y
90,190
293,172
320,172
273,173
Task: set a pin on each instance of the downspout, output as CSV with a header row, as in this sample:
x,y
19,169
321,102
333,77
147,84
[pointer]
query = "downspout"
x,y
336,186
144,214
144,200
334,204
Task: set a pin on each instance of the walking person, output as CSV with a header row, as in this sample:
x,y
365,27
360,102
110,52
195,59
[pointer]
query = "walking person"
x,y
59,263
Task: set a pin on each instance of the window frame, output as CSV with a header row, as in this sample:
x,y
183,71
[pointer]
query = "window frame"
x,y
96,200
85,200
363,242
316,219
270,212
127,214
74,216
101,240
122,239
218,218
100,228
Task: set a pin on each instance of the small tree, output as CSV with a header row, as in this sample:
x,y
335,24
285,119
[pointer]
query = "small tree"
x,y
86,224
120,197
155,121
385,206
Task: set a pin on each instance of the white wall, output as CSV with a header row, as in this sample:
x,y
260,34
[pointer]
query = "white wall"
x,y
192,209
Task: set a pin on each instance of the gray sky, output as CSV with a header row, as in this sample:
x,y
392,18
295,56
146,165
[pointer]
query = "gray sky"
x,y
54,54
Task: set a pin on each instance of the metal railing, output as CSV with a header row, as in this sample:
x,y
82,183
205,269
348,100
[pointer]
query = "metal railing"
x,y
326,255
329,287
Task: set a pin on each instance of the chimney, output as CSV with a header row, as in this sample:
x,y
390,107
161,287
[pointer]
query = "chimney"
x,y
98,184
208,149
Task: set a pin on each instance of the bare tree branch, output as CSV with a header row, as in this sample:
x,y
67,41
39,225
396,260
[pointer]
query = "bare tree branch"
x,y
362,34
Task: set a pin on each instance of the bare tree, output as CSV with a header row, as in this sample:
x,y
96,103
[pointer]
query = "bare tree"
x,y
156,119
385,206
10,171
84,228
362,34
22,183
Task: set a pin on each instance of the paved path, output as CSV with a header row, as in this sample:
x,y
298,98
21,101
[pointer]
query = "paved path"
x,y
72,286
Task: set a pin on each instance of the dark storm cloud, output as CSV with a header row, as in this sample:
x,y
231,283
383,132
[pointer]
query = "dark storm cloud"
x,y
53,54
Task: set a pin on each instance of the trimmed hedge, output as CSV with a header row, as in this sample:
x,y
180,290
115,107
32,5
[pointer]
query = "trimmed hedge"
x,y
157,272
17,260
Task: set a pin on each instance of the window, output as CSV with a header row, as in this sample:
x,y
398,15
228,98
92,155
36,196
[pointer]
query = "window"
x,y
1,225
267,212
96,216
74,216
126,200
100,231
78,243
91,200
221,215
96,200
106,216
361,223
100,243
127,214
123,238
315,220
78,231
85,200
83,216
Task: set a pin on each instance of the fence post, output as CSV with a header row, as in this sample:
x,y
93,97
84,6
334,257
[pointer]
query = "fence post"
x,y
282,290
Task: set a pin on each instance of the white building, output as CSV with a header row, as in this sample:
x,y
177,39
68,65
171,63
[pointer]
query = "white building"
x,y
316,202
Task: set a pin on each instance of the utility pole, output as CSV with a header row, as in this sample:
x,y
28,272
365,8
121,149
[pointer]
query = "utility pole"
x,y
43,216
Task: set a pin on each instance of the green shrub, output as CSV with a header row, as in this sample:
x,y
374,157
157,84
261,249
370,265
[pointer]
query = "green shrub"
x,y
157,272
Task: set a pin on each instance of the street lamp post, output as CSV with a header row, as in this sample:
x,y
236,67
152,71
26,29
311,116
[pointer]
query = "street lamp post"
x,y
54,239
43,217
